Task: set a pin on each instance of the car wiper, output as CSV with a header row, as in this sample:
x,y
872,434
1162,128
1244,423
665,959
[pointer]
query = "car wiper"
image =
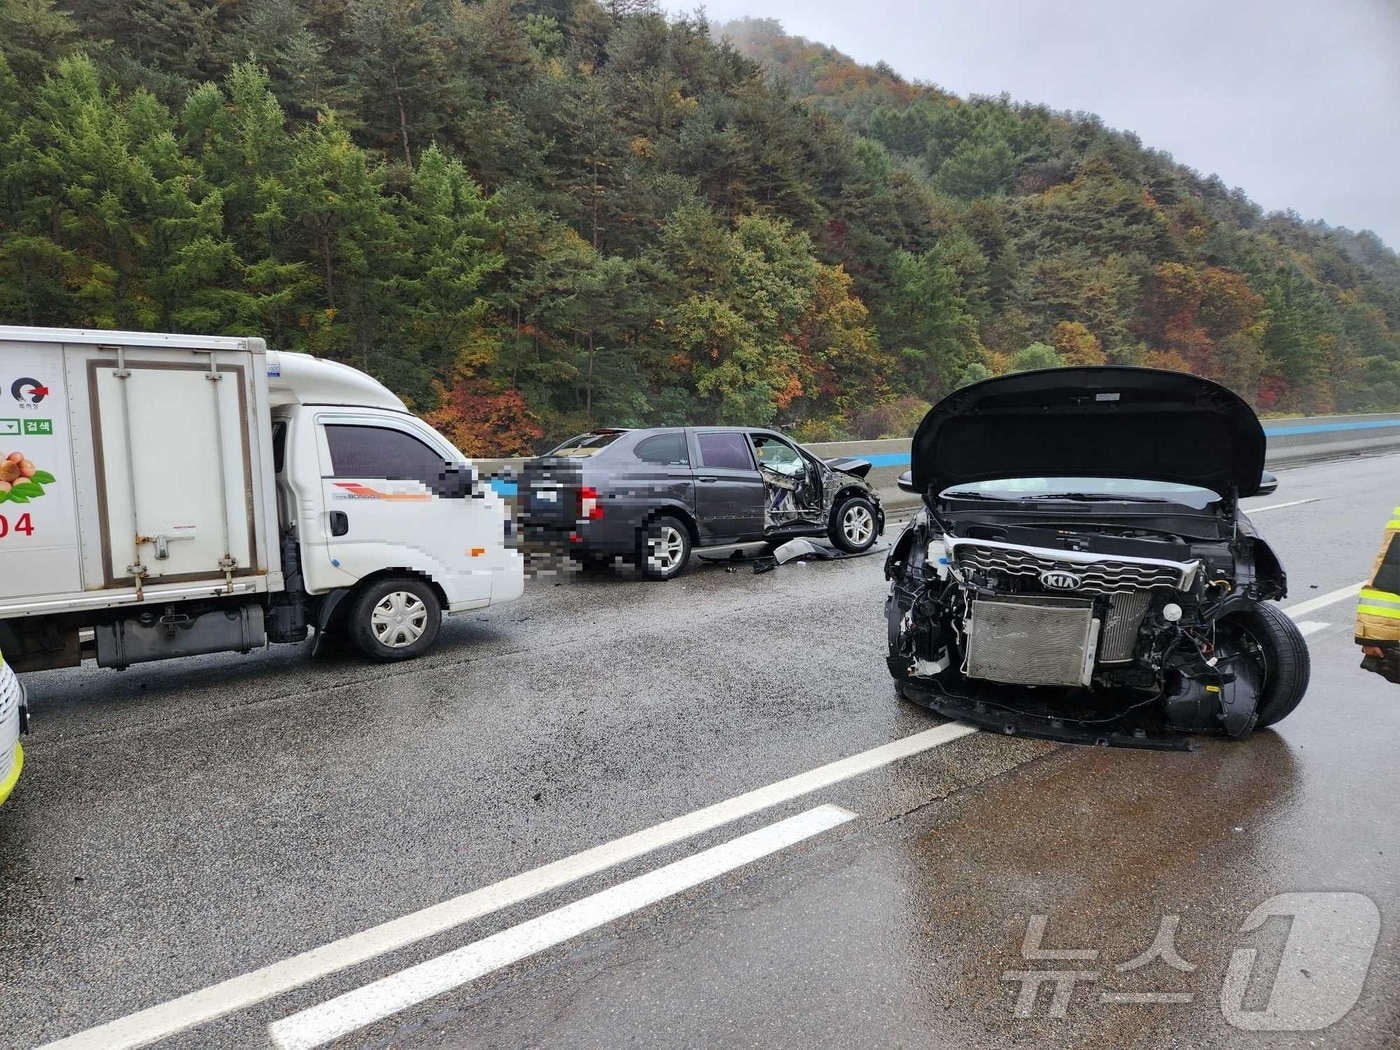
x,y
1095,497
980,495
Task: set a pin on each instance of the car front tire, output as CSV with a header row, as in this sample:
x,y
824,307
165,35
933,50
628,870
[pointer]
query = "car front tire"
x,y
854,525
1287,663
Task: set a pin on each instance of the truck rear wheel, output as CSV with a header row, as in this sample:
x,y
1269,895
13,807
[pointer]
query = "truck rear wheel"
x,y
394,619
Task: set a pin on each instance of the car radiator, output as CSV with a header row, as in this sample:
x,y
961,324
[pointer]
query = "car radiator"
x,y
1029,640
1127,582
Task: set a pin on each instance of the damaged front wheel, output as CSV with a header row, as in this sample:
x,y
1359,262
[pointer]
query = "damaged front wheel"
x,y
854,527
1278,644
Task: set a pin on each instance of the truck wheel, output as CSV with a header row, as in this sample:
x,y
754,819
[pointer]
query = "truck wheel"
x,y
394,619
663,548
1280,648
853,525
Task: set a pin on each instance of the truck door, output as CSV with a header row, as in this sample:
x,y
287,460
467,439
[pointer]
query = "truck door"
x,y
394,499
728,488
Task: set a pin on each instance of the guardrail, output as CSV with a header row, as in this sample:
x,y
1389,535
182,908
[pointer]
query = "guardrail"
x,y
1291,442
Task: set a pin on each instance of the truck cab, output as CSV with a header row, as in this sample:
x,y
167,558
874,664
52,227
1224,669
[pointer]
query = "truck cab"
x,y
371,494
164,495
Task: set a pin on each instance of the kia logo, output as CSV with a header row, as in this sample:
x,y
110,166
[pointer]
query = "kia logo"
x,y
1060,581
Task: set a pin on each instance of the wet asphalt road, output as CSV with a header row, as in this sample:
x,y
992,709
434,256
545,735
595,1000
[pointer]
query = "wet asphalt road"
x,y
185,823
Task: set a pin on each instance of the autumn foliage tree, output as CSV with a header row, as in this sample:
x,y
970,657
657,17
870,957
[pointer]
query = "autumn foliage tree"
x,y
535,218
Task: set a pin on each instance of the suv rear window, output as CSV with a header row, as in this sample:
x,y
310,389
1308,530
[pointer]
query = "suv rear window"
x,y
667,450
585,445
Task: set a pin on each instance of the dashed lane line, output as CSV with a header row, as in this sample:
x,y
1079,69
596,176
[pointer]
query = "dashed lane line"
x,y
1341,594
166,1019
352,1011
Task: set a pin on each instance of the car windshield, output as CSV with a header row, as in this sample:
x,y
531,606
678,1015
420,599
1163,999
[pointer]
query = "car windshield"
x,y
1133,490
586,444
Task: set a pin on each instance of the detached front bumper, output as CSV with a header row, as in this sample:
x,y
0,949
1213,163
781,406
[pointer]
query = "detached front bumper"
x,y
1100,720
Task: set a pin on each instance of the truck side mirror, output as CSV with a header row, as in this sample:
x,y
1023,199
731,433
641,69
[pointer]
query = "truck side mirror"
x,y
1268,484
906,482
455,482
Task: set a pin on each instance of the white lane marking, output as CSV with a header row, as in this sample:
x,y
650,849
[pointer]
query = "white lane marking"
x,y
1341,594
1280,506
166,1019
1310,627
383,998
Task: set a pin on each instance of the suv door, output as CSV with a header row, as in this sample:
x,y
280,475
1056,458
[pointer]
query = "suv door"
x,y
728,488
792,485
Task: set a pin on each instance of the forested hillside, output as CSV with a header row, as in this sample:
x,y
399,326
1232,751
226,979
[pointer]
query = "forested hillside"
x,y
532,217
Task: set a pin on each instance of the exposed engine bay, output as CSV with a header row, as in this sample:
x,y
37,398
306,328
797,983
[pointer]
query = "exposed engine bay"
x,y
1073,609
1090,616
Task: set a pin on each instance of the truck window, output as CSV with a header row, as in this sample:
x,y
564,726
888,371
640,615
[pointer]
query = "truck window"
x,y
279,446
382,452
667,450
725,450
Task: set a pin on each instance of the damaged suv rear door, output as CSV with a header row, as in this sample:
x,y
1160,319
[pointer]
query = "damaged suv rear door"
x,y
729,491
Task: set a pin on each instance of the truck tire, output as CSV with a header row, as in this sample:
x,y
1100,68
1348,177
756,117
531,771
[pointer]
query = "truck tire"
x,y
854,526
1287,663
394,619
663,547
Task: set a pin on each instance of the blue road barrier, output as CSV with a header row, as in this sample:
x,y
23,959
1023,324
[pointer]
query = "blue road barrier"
x,y
1323,428
887,460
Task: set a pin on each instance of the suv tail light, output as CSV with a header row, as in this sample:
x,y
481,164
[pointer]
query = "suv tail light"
x,y
589,506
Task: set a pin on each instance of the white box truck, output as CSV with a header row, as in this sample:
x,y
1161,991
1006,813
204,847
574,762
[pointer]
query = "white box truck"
x,y
180,494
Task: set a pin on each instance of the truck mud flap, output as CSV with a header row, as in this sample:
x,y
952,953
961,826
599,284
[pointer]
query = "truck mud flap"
x,y
329,604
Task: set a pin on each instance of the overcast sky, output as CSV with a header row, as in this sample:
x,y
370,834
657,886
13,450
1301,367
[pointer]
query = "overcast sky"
x,y
1297,102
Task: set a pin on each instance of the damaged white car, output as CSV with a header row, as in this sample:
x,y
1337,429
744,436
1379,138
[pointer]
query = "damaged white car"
x,y
1080,568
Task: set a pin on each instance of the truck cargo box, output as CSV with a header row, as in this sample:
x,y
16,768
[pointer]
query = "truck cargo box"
x,y
136,468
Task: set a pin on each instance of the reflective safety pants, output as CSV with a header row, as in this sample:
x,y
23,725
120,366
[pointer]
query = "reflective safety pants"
x,y
1378,611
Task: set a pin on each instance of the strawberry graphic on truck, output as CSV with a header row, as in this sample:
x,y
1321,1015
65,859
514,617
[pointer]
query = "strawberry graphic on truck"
x,y
20,480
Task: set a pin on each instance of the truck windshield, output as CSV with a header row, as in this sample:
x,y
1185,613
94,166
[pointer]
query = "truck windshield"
x,y
586,444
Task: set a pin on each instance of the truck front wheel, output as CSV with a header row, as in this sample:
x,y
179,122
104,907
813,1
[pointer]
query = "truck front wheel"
x,y
395,619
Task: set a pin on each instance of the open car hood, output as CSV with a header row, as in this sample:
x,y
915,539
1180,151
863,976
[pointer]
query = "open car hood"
x,y
1108,422
849,465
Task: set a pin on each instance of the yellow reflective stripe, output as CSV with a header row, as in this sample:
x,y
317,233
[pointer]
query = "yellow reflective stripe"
x,y
12,778
1381,597
1376,610
1393,524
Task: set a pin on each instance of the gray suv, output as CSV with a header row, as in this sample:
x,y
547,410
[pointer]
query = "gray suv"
x,y
650,496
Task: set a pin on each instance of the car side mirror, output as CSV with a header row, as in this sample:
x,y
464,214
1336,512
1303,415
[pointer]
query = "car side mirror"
x,y
1268,484
906,482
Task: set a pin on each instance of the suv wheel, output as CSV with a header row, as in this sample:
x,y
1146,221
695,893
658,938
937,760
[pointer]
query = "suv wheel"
x,y
395,619
663,548
854,525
